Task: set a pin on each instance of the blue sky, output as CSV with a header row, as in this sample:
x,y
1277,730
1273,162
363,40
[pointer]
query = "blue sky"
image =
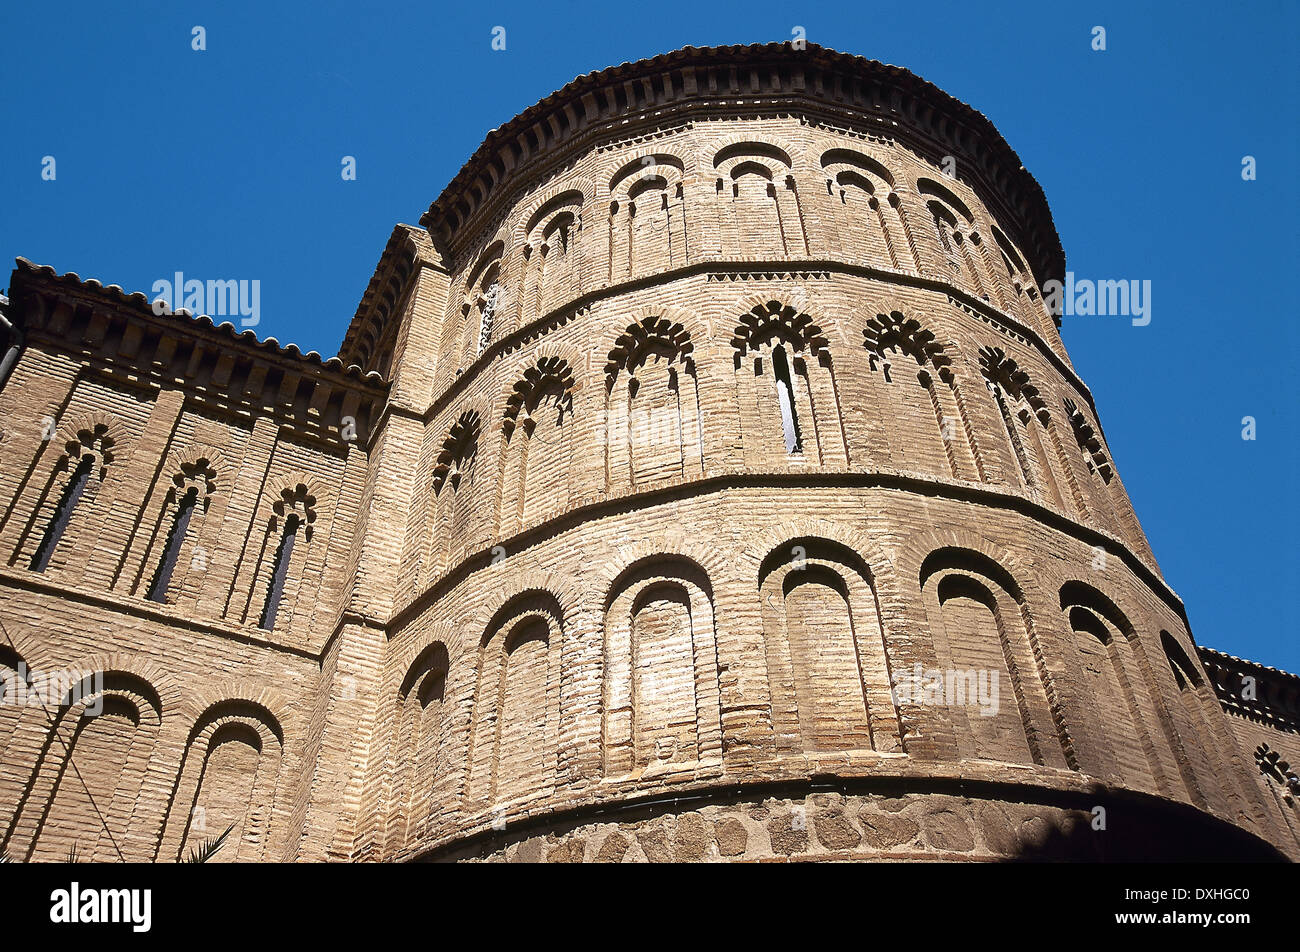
x,y
225,164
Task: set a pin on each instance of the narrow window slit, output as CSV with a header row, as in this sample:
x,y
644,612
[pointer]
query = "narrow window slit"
x,y
283,555
63,513
172,550
785,394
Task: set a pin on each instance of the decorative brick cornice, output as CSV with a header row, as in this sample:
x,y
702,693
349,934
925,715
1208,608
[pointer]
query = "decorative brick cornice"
x,y
117,334
593,507
408,248
1271,698
132,607
851,89
721,269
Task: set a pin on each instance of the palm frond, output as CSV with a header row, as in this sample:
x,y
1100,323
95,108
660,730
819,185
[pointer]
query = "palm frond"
x,y
208,848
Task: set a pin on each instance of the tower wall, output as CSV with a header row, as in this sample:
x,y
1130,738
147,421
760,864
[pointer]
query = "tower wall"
x,y
742,417
705,479
173,705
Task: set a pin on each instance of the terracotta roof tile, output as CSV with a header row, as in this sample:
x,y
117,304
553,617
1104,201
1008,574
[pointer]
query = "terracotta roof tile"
x,y
137,299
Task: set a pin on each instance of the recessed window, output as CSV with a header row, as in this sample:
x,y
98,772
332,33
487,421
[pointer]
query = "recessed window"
x,y
279,571
785,395
172,550
63,513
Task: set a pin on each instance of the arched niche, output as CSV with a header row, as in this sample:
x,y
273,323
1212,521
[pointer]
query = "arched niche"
x,y
827,666
661,698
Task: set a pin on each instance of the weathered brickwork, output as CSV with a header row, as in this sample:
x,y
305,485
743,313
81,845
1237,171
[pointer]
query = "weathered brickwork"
x,y
713,411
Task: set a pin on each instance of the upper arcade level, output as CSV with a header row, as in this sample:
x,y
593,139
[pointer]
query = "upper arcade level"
x,y
758,157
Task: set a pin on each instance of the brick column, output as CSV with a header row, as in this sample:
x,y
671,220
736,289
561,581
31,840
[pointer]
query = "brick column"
x,y
237,523
350,691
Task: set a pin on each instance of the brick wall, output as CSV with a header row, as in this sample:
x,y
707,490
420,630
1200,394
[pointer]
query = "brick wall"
x,y
709,444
